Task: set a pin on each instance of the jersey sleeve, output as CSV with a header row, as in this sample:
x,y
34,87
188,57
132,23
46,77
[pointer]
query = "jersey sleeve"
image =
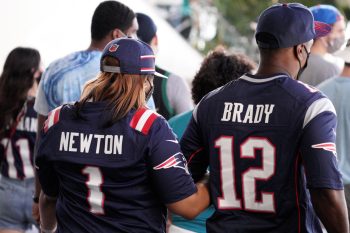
x,y
44,165
167,164
318,149
192,145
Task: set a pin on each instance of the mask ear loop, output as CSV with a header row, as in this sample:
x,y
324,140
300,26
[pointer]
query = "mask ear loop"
x,y
150,93
296,55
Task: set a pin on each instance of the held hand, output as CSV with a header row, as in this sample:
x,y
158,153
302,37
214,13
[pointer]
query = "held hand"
x,y
35,212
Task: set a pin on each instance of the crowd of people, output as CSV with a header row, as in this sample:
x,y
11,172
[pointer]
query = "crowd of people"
x,y
104,140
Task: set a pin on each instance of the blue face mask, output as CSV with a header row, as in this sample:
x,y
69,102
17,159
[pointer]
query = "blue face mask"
x,y
302,69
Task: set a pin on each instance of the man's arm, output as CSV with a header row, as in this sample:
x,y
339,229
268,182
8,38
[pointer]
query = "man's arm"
x,y
48,222
330,207
35,208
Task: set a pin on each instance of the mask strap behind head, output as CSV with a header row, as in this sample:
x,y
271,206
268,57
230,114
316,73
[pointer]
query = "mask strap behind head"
x,y
150,93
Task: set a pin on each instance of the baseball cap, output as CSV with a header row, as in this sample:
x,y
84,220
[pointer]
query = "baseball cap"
x,y
345,53
134,56
286,25
147,27
326,13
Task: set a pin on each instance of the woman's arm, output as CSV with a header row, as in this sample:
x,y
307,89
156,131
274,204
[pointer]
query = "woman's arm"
x,y
193,205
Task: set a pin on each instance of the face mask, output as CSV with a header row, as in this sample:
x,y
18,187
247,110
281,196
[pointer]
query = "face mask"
x,y
301,69
150,92
335,44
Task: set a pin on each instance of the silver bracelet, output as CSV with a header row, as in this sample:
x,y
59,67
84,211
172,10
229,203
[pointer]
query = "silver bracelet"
x,y
43,230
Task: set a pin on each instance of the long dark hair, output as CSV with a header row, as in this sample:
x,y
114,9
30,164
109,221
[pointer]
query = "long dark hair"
x,y
15,81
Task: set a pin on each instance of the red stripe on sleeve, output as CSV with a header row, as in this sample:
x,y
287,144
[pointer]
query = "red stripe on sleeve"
x,y
135,119
149,123
56,116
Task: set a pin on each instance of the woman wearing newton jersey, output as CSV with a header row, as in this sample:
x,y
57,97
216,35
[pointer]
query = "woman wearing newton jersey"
x,y
109,164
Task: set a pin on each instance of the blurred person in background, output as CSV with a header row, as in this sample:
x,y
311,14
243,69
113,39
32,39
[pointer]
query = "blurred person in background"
x,y
18,125
131,167
217,69
171,96
337,90
63,80
322,64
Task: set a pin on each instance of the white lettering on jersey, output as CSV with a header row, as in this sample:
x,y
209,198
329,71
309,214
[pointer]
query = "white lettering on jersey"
x,y
85,143
72,141
112,144
28,124
253,113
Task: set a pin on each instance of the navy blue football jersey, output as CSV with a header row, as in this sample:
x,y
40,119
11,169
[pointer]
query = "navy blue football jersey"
x,y
17,153
111,178
266,140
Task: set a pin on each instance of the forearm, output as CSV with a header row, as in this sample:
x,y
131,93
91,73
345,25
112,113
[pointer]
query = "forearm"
x,y
47,207
330,206
193,205
37,189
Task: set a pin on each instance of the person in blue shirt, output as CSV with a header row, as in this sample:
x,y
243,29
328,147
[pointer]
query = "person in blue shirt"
x,y
269,139
110,164
217,69
337,90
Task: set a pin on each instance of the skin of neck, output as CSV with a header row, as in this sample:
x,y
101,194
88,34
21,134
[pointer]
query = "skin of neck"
x,y
99,45
319,47
281,61
346,71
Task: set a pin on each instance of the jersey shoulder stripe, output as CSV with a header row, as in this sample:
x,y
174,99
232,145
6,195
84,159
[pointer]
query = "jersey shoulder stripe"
x,y
52,118
317,107
143,120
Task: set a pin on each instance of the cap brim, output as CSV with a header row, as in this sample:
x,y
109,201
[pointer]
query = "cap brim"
x,y
114,69
160,75
321,29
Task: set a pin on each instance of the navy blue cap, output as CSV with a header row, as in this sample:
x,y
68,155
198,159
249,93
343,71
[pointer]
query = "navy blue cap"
x,y
147,27
286,25
134,56
326,13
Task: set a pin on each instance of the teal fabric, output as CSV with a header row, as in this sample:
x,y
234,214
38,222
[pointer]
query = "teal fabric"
x,y
179,124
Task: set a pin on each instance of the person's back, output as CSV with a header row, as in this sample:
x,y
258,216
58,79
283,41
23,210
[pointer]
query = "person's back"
x,y
108,163
18,121
256,140
113,194
270,140
64,79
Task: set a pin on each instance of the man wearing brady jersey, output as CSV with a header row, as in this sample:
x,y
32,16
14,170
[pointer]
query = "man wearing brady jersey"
x,y
267,138
109,164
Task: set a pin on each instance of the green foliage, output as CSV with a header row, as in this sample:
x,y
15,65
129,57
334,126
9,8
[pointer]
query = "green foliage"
x,y
241,13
